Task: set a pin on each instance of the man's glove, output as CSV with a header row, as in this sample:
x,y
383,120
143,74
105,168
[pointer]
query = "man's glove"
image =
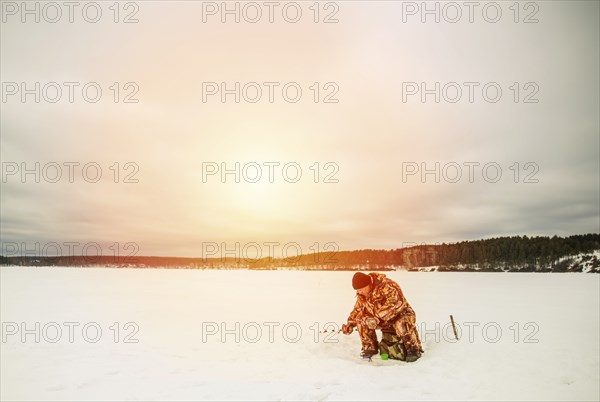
x,y
371,322
347,329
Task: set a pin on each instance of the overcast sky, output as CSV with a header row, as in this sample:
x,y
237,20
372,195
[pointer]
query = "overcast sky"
x,y
371,136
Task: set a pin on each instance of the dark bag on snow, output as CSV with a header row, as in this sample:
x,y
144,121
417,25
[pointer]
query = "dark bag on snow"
x,y
392,345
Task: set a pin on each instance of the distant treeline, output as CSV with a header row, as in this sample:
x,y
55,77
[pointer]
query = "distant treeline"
x,y
520,253
526,253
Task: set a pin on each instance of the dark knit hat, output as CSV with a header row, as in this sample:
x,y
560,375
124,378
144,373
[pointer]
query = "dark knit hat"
x,y
360,280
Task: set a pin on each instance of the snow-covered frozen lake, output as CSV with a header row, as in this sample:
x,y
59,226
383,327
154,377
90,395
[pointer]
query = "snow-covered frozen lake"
x,y
153,334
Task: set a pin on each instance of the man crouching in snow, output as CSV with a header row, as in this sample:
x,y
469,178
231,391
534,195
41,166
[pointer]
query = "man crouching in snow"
x,y
381,305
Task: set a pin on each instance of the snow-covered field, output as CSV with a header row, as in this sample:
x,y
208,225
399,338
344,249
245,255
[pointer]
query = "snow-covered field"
x,y
191,334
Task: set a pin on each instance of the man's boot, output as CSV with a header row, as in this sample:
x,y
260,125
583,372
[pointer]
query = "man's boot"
x,y
413,355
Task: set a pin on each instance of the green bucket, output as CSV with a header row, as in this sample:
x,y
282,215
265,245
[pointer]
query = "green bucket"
x,y
384,356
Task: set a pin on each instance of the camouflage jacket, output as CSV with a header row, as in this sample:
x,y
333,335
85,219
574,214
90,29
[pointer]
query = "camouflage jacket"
x,y
386,302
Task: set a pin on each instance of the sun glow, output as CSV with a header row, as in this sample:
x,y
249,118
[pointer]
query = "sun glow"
x,y
262,196
254,183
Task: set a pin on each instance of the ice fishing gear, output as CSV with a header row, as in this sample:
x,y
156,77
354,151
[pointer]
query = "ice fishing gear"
x,y
453,327
368,354
391,345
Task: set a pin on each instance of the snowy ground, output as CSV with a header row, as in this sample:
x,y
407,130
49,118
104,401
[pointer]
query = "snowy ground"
x,y
184,352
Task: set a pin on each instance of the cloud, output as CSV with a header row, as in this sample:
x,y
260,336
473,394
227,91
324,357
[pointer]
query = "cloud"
x,y
370,134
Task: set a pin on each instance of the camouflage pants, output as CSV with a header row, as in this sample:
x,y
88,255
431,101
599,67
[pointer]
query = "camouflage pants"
x,y
404,327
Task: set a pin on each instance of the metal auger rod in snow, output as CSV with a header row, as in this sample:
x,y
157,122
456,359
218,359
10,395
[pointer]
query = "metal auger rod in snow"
x,y
453,327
